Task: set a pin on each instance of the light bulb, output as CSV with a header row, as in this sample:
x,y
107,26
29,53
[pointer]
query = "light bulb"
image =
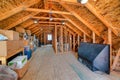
x,y
84,1
51,18
35,21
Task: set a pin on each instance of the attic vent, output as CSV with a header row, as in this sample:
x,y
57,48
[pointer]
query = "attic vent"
x,y
83,1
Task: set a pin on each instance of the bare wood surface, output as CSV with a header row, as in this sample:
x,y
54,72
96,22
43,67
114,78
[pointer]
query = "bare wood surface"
x,y
46,65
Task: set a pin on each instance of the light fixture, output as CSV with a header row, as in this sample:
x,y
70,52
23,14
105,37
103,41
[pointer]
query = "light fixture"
x,y
50,18
35,21
83,1
63,22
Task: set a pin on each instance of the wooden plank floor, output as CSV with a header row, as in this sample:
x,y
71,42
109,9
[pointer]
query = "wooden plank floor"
x,y
45,65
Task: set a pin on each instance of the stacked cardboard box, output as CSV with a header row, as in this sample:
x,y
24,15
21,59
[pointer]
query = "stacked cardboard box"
x,y
10,34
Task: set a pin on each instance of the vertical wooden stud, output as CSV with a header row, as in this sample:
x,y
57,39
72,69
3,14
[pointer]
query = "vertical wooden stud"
x,y
61,38
55,38
93,37
78,39
74,42
110,42
84,37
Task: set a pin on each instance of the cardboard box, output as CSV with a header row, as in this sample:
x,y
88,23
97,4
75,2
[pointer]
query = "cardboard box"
x,y
18,62
21,72
12,35
8,48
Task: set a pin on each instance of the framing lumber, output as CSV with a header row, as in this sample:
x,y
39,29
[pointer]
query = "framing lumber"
x,y
93,35
73,29
43,22
79,18
110,42
74,42
36,17
35,31
47,11
56,39
70,36
32,26
116,60
19,21
84,38
17,10
44,38
61,39
27,25
109,25
74,23
78,40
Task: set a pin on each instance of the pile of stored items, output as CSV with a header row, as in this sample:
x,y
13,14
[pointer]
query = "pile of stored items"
x,y
16,49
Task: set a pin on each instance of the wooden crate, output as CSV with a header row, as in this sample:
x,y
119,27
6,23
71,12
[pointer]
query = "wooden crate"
x,y
12,35
21,72
8,47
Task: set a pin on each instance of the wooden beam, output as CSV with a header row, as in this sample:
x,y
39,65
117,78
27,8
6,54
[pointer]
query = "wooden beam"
x,y
61,39
32,26
36,17
44,38
43,22
47,11
36,30
72,22
28,24
70,31
78,40
70,36
78,32
80,18
110,42
20,21
84,38
96,13
93,37
72,2
33,29
79,27
74,42
116,60
56,39
17,10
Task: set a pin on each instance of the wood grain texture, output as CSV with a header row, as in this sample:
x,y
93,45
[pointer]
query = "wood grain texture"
x,y
46,65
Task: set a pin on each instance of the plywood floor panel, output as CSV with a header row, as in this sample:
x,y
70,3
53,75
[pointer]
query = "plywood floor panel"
x,y
45,65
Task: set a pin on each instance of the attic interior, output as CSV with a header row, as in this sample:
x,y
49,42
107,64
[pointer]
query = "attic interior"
x,y
60,39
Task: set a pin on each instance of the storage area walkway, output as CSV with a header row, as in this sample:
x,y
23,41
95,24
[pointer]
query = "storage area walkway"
x,y
45,65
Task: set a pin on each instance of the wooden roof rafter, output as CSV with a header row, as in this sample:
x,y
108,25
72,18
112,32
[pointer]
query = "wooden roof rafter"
x,y
20,21
36,17
32,26
109,25
47,11
70,27
18,9
80,18
73,23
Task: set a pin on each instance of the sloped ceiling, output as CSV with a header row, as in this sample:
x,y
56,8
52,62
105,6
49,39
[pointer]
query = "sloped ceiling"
x,y
95,16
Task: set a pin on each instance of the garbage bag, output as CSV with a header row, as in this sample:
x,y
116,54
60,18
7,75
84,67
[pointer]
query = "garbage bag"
x,y
7,74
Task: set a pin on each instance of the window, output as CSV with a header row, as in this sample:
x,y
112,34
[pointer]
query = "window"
x,y
49,37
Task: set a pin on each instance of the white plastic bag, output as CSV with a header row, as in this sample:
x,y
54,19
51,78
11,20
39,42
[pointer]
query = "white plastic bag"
x,y
7,74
